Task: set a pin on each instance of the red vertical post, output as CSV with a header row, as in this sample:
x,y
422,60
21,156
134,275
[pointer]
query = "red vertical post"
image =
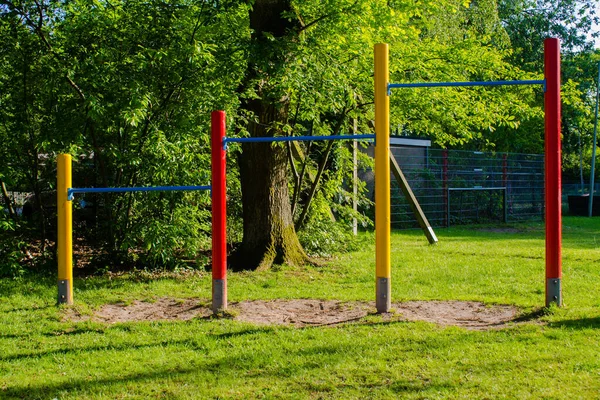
x,y
219,213
553,171
505,185
445,186
504,170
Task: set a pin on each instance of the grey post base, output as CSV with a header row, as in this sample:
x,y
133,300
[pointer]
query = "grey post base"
x,y
383,300
64,292
219,295
553,292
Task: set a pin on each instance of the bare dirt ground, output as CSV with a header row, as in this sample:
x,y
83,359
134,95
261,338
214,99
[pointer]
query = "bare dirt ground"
x,y
301,313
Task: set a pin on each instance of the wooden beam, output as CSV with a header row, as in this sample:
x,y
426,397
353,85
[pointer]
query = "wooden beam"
x,y
412,200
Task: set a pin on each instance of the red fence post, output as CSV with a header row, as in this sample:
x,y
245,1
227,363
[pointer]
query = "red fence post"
x,y
445,186
507,203
219,213
505,170
553,172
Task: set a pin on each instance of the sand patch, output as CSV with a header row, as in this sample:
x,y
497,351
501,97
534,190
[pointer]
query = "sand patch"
x,y
306,312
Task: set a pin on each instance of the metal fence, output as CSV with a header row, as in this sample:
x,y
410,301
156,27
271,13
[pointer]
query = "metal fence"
x,y
460,187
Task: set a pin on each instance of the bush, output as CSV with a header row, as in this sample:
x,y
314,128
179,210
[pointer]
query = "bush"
x,y
11,248
322,236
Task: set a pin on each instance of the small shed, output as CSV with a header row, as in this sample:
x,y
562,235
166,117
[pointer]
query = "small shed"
x,y
409,152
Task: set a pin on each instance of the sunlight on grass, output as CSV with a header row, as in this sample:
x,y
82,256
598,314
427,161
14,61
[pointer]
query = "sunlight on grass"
x,y
552,354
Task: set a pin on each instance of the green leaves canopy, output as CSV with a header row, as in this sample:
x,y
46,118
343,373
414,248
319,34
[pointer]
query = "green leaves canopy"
x,y
129,85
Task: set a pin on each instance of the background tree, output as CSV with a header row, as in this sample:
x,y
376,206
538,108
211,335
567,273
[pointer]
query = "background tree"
x,y
126,87
528,23
310,65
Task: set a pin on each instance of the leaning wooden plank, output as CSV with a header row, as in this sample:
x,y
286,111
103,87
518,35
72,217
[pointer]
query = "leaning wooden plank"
x,y
412,200
299,156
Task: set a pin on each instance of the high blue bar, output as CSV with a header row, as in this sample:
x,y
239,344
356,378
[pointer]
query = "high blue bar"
x,y
455,84
72,191
295,138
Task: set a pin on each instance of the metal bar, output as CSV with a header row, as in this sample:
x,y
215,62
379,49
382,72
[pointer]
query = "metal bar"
x,y
354,145
592,171
477,188
463,84
382,180
219,213
505,201
65,231
552,111
72,191
445,184
295,138
447,207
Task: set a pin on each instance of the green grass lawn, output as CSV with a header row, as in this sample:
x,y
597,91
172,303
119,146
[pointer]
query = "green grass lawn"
x,y
554,355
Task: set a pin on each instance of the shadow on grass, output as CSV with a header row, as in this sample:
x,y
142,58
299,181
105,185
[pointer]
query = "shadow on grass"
x,y
10,336
74,331
533,315
582,323
244,332
397,387
32,308
112,347
58,389
90,349
245,364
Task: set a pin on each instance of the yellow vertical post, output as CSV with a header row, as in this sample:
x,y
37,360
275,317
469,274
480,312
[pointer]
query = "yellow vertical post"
x,y
65,231
382,180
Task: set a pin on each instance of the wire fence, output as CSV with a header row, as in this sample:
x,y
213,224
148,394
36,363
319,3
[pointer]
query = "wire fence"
x,y
461,187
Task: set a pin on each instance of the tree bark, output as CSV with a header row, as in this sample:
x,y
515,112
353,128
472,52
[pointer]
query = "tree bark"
x,y
8,201
269,233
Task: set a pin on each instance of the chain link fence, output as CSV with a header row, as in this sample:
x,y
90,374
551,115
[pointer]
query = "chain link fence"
x,y
465,187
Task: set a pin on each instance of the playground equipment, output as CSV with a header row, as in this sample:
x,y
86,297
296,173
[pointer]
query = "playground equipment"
x,y
65,196
218,188
382,185
551,84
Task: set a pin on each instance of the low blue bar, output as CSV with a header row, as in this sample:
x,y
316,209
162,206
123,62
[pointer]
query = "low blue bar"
x,y
294,138
72,191
456,84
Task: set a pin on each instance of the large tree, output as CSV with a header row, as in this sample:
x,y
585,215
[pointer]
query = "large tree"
x,y
528,23
125,87
312,62
269,234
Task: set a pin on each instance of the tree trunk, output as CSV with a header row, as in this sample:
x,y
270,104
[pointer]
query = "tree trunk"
x,y
269,234
8,201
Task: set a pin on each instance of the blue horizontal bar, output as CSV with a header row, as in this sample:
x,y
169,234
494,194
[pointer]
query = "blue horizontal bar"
x,y
455,84
294,138
467,189
72,191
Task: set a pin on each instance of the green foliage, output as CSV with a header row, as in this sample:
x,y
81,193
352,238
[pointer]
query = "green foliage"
x,y
170,238
528,23
127,88
323,236
11,248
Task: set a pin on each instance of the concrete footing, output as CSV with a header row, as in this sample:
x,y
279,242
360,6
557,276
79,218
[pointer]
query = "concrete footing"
x,y
553,291
219,295
384,298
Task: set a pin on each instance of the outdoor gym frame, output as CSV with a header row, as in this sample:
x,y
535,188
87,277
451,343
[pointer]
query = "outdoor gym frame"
x,y
552,117
65,195
383,88
218,188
